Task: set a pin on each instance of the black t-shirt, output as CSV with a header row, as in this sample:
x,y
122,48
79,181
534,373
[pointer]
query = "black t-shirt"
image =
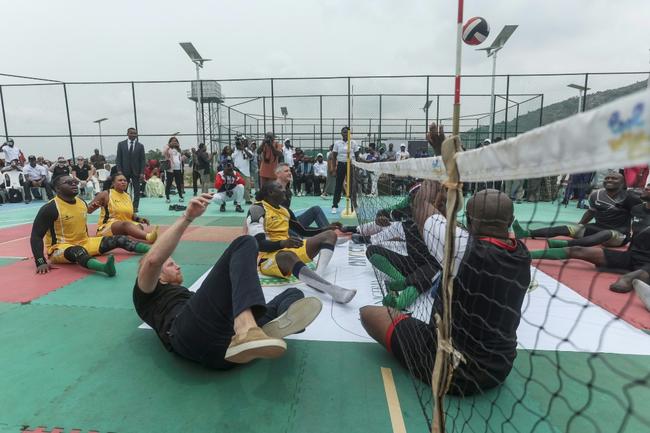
x,y
159,308
82,171
98,161
287,196
489,289
613,212
640,245
59,171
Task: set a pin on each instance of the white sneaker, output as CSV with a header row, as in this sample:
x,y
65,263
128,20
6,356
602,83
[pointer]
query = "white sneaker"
x,y
297,317
335,210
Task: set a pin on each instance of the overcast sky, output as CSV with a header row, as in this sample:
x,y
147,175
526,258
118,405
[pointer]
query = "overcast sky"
x,y
127,40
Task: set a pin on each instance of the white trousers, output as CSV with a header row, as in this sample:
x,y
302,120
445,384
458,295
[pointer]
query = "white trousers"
x,y
237,196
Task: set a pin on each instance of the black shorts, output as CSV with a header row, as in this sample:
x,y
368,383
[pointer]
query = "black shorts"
x,y
414,344
615,259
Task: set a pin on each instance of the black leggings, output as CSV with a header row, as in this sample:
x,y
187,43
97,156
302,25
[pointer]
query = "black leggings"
x,y
176,176
202,330
195,179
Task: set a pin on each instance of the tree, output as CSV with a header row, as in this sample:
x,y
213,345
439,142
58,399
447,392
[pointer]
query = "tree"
x,y
154,154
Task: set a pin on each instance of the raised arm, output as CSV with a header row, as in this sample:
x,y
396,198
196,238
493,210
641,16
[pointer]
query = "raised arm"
x,y
153,261
44,220
100,200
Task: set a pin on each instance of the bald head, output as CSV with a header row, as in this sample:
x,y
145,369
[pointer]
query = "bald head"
x,y
489,213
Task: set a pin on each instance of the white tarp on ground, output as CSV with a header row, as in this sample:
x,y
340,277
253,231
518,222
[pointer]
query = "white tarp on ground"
x,y
616,134
551,305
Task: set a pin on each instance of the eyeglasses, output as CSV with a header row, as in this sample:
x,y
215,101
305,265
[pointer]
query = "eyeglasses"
x,y
71,182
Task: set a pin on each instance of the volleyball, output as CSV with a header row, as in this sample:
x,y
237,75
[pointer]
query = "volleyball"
x,y
475,31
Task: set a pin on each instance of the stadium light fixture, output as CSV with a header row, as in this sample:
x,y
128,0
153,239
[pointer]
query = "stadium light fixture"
x,y
196,58
492,50
581,90
99,124
427,105
284,111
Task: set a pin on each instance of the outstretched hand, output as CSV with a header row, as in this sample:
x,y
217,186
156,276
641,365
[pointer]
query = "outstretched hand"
x,y
292,242
197,205
435,137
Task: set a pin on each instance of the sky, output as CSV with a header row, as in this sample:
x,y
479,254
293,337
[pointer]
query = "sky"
x,y
123,41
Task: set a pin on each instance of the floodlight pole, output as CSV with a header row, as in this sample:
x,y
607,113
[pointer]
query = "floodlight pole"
x,y
99,124
492,97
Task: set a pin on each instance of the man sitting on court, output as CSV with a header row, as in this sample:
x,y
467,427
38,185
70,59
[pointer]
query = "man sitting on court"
x,y
62,221
230,185
281,255
636,259
610,206
219,325
492,275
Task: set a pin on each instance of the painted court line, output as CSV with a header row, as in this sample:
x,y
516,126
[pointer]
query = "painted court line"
x,y
14,240
394,409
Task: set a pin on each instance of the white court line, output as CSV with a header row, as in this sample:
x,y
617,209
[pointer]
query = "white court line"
x,y
14,240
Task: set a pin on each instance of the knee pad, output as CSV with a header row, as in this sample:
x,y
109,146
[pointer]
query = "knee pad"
x,y
119,241
76,254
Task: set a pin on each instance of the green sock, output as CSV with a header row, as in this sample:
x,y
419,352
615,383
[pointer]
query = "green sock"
x,y
550,254
389,300
142,248
406,298
557,243
382,263
108,268
520,232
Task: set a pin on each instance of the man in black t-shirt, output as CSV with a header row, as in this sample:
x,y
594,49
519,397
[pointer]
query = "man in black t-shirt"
x,y
60,168
492,275
84,172
227,321
610,206
636,259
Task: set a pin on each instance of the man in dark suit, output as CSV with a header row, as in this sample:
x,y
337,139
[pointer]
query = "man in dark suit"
x,y
130,161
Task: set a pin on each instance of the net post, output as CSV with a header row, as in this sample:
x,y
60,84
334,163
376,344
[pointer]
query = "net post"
x,y
444,364
348,212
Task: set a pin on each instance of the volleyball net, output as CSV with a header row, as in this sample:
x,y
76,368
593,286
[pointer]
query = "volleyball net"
x,y
504,269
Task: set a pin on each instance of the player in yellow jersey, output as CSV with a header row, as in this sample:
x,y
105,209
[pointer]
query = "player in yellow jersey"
x,y
62,222
116,216
282,255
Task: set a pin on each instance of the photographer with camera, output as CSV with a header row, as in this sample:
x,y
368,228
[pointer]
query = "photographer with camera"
x,y
230,186
270,152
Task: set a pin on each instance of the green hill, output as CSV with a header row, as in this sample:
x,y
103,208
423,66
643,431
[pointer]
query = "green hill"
x,y
553,112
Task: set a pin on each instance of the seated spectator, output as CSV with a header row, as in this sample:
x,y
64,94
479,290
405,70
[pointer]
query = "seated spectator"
x,y
304,170
83,172
403,153
17,188
97,160
230,186
154,186
320,173
36,177
11,153
60,168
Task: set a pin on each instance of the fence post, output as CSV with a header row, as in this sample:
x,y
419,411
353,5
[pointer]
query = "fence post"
x,y
135,111
264,112
67,112
406,129
272,108
202,114
505,127
517,121
438,110
320,115
541,110
349,101
426,111
229,127
584,96
4,117
379,132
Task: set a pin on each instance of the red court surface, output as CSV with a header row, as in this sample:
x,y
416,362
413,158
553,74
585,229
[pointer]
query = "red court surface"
x,y
593,285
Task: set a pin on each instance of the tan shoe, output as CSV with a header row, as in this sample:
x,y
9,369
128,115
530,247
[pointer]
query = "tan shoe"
x,y
299,314
252,345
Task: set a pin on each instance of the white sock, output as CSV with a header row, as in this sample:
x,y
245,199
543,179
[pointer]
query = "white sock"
x,y
643,291
313,280
324,257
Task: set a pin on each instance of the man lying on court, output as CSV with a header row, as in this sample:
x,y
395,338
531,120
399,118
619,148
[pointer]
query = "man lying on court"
x,y
62,222
611,208
219,325
282,255
635,260
492,275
